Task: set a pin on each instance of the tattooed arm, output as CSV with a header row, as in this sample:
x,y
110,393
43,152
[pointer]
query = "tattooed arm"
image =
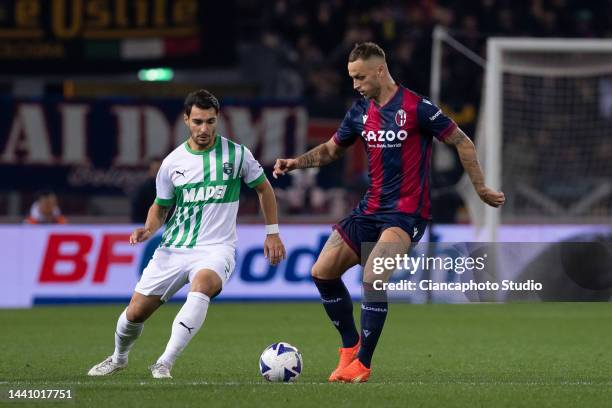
x,y
469,160
321,155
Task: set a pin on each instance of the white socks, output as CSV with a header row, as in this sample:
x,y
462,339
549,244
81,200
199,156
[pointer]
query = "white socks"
x,y
186,324
125,336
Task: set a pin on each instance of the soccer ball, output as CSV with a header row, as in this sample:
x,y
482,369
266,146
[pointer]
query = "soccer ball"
x,y
280,362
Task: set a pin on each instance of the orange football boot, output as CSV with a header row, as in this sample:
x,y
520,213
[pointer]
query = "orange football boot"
x,y
347,355
355,372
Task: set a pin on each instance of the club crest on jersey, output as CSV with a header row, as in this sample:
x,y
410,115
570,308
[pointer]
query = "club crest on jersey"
x,y
400,118
228,168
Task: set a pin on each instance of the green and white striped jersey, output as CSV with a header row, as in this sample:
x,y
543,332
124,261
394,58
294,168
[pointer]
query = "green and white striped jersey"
x,y
205,186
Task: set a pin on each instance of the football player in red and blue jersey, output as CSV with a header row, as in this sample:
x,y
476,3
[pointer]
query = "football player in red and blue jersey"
x,y
396,127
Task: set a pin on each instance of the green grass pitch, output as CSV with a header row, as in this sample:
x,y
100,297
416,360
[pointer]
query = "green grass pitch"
x,y
475,355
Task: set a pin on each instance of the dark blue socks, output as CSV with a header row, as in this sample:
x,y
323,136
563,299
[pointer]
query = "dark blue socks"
x,y
339,307
373,314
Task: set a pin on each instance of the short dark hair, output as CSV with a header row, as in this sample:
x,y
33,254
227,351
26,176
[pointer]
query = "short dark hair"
x,y
365,51
202,99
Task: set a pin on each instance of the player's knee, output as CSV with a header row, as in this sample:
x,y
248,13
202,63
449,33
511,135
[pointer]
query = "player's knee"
x,y
141,307
320,271
207,282
135,315
316,271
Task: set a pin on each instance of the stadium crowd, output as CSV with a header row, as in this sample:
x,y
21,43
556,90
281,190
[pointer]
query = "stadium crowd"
x,y
296,49
306,43
309,41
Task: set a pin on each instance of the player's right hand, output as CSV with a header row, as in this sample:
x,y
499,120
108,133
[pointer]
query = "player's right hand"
x,y
139,235
284,166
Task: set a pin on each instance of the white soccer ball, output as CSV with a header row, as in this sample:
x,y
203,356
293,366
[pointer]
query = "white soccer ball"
x,y
280,362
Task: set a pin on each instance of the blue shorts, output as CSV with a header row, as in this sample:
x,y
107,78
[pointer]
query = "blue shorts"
x,y
357,229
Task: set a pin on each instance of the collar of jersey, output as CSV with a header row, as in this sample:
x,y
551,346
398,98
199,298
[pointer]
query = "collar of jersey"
x,y
397,92
190,150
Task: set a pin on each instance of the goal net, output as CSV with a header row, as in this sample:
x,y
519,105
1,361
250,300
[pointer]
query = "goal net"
x,y
546,134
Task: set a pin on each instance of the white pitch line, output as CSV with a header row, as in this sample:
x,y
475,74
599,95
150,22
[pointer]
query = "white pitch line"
x,y
94,383
153,382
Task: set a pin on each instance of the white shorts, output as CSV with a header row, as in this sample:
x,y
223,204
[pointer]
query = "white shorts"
x,y
170,268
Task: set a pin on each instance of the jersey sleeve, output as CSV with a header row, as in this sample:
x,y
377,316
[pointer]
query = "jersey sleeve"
x,y
164,187
433,121
347,133
251,172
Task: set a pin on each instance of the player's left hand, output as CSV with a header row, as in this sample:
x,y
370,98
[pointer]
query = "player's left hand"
x,y
139,235
274,250
491,197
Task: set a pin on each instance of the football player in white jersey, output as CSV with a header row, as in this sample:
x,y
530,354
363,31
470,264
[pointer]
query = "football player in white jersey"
x,y
202,179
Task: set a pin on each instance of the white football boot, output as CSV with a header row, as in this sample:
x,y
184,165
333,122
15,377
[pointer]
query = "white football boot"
x,y
160,370
106,367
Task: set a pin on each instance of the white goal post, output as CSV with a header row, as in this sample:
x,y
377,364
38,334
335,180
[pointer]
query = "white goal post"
x,y
544,132
558,93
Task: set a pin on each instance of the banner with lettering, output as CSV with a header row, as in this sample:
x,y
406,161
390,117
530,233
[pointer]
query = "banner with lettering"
x,y
96,263
103,36
100,145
